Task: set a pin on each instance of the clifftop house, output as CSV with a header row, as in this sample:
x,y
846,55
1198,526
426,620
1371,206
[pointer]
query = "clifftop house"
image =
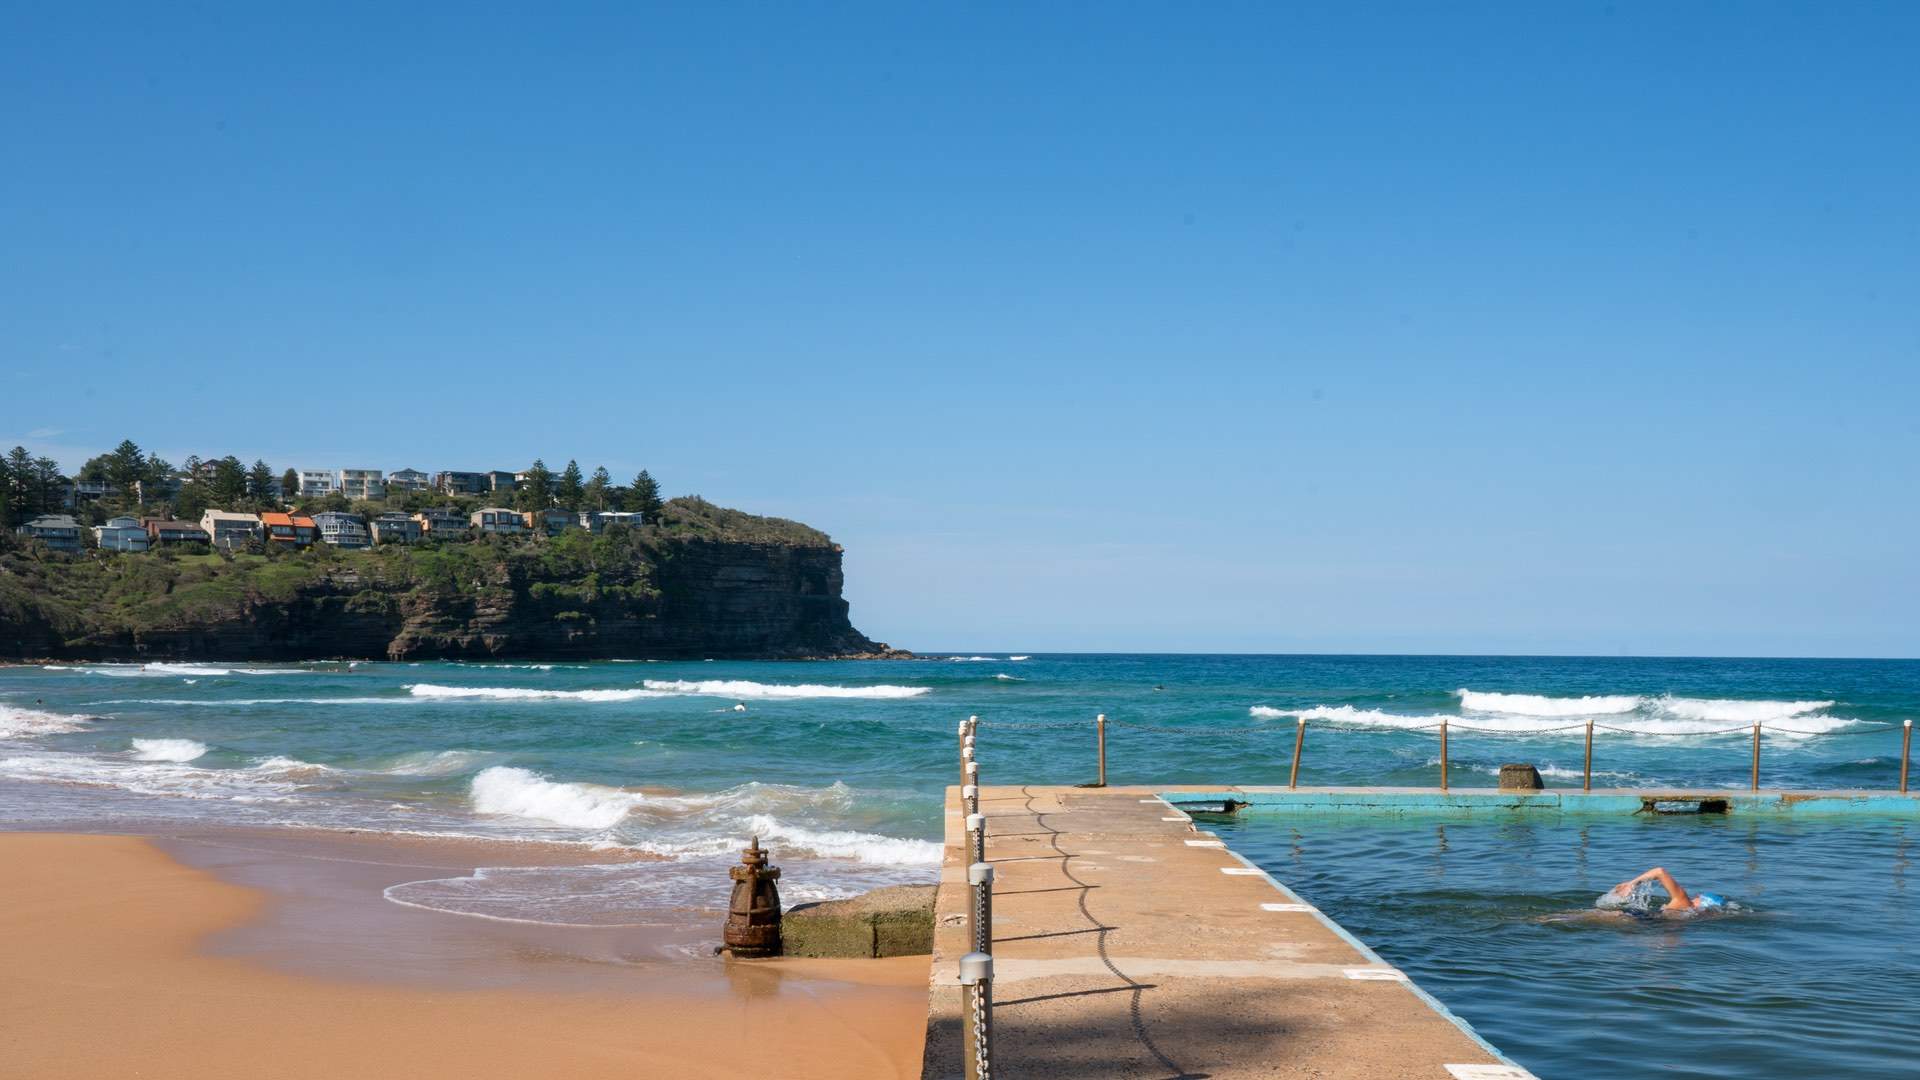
x,y
342,530
58,531
462,483
317,482
230,530
362,484
496,519
395,528
442,523
121,534
165,532
409,480
292,530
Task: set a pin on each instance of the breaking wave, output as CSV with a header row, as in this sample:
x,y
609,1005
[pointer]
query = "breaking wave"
x,y
1729,710
1653,717
1540,705
515,693
163,670
740,688
167,749
434,763
516,792
18,723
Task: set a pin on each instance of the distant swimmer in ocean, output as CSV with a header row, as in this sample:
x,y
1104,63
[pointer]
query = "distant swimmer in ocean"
x,y
739,706
1640,896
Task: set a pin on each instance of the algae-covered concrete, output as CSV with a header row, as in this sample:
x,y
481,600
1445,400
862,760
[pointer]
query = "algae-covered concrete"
x,y
1127,944
895,921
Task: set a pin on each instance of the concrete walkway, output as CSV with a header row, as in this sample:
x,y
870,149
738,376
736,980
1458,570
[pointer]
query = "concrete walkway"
x,y
1126,944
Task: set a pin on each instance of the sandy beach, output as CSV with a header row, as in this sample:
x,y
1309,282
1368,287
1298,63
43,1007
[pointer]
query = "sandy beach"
x,y
128,956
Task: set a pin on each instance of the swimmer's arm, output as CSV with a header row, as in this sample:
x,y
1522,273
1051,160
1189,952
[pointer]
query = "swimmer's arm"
x,y
1677,898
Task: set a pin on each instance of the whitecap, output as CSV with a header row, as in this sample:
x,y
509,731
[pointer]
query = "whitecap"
x,y
1541,705
167,749
739,688
516,693
18,723
522,793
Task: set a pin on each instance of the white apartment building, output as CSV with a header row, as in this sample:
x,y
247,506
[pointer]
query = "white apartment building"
x,y
317,482
230,530
409,480
363,484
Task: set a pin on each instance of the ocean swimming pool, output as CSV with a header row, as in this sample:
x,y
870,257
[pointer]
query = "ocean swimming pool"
x,y
1818,976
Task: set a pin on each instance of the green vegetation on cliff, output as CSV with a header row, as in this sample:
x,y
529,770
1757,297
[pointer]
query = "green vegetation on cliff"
x,y
702,580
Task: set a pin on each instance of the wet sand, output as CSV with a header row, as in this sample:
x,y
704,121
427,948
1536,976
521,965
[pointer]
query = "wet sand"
x,y
262,955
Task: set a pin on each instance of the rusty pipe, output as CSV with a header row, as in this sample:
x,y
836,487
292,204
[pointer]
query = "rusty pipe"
x,y
1906,751
1756,755
1443,755
1100,730
1299,741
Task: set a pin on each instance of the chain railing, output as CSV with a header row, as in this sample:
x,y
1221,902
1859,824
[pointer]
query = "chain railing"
x,y
1443,729
976,967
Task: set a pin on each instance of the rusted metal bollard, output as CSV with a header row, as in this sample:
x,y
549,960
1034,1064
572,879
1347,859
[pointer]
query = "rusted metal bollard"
x,y
1756,755
1443,755
1100,736
1586,777
753,912
976,1014
1906,751
1299,741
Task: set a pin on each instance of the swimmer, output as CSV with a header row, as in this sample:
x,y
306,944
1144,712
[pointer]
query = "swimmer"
x,y
739,706
1637,895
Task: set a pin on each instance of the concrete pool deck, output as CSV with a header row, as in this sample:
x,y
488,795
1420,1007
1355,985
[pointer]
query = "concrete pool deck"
x,y
1129,944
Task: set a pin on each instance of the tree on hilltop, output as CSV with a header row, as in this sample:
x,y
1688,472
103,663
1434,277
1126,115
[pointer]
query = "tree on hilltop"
x,y
644,497
289,485
570,492
598,488
260,483
536,491
125,465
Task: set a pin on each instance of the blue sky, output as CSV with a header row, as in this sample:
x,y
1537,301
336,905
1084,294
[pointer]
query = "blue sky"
x,y
1475,328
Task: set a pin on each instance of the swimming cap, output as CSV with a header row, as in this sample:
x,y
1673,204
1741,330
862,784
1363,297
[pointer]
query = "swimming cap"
x,y
1707,901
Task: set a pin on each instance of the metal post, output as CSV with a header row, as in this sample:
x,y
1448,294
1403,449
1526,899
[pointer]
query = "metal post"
x,y
1906,752
1756,755
976,838
976,1020
963,751
1586,782
1443,755
1299,741
980,877
1100,728
970,791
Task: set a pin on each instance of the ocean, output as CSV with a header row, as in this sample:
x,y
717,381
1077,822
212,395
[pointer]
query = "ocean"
x,y
839,768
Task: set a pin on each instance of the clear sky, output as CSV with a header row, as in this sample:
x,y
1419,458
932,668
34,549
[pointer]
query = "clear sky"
x,y
1458,328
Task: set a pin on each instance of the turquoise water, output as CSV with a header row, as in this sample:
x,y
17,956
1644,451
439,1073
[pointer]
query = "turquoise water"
x,y
1814,975
839,765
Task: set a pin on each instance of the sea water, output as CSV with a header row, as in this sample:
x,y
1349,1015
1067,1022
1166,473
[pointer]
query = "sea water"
x,y
1814,972
839,766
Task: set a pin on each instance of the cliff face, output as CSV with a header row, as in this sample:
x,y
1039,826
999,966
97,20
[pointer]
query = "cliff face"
x,y
682,591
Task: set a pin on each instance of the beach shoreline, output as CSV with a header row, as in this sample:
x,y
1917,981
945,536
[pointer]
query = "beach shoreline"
x,y
265,953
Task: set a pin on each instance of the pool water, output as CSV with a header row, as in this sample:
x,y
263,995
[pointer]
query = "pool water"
x,y
1817,976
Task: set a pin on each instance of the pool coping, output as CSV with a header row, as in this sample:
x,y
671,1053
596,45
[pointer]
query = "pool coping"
x,y
1607,801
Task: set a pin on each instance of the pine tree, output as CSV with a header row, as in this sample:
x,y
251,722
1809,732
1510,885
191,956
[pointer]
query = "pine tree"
x,y
289,486
126,465
19,491
569,492
48,486
229,487
598,488
6,491
536,491
645,497
260,483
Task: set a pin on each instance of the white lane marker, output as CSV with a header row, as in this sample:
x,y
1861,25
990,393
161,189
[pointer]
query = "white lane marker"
x,y
1376,975
1152,800
1489,1072
1206,843
1182,817
1239,871
1286,907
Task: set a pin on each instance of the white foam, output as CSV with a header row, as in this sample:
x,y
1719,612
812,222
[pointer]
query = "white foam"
x,y
1731,711
740,688
434,763
16,723
869,848
259,701
167,749
517,693
521,793
1347,714
1017,658
159,670
1004,677
291,766
151,778
970,659
1541,705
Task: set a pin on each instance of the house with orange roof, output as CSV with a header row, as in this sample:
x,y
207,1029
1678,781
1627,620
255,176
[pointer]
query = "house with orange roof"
x,y
293,530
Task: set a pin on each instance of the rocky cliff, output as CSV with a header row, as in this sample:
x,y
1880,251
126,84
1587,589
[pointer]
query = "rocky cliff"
x,y
702,582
